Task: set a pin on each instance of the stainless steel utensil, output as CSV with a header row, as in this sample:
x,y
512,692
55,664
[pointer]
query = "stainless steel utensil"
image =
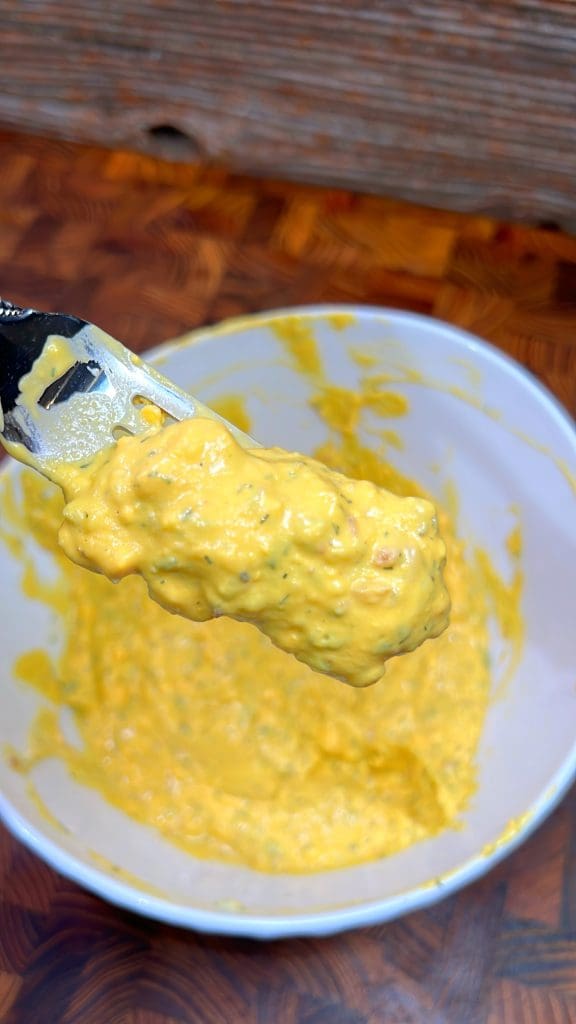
x,y
99,394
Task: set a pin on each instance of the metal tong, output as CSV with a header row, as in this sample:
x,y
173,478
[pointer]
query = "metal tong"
x,y
97,397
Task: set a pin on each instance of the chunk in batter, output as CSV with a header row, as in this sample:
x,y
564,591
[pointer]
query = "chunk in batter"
x,y
339,572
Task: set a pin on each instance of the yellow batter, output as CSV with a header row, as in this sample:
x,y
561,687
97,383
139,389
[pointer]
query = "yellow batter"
x,y
233,749
339,572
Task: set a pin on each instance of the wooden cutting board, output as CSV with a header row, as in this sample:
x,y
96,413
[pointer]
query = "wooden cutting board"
x,y
149,250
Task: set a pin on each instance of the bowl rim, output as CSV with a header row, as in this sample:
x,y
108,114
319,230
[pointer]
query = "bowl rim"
x,y
127,896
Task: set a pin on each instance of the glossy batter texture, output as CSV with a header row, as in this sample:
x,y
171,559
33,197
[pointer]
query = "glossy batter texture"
x,y
339,572
235,750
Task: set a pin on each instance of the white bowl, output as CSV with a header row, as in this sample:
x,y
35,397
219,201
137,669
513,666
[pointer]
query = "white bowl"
x,y
476,418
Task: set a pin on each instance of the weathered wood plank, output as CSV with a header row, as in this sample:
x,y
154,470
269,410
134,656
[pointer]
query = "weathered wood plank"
x,y
465,104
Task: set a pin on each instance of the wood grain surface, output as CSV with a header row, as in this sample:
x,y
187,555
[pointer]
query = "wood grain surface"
x,y
148,250
465,104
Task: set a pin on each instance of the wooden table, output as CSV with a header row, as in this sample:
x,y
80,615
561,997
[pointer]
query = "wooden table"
x,y
148,250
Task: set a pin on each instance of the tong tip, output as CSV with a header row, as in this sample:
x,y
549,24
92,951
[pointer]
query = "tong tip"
x,y
9,311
